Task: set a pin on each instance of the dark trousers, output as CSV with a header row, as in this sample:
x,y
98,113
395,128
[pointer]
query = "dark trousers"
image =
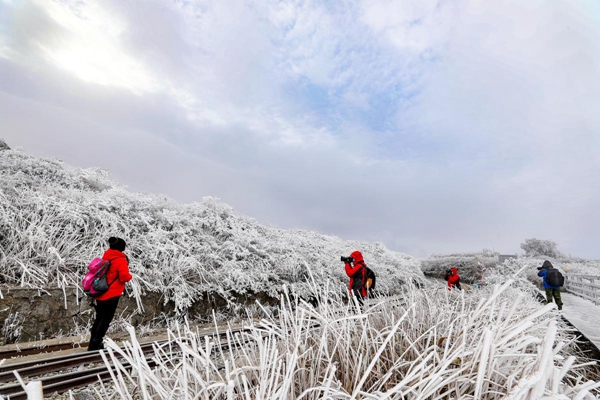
x,y
550,293
105,311
358,295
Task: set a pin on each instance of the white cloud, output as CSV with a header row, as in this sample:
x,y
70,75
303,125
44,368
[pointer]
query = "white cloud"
x,y
90,46
433,125
418,27
5,51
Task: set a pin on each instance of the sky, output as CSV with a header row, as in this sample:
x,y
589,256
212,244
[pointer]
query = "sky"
x,y
430,126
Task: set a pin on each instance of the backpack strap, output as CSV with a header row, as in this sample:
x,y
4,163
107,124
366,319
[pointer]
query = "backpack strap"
x,y
110,263
363,271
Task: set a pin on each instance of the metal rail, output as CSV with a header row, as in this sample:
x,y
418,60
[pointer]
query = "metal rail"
x,y
62,382
52,364
586,286
4,354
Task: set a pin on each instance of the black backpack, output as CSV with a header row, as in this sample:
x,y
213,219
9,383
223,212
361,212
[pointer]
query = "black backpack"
x,y
554,277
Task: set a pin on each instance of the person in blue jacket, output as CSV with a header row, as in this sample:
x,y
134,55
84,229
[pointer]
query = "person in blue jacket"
x,y
551,291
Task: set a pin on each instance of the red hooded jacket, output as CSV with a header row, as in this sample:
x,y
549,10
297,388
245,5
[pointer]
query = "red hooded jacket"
x,y
453,278
357,273
118,274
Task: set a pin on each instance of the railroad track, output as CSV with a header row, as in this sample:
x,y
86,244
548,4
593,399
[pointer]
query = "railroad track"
x,y
59,374
24,352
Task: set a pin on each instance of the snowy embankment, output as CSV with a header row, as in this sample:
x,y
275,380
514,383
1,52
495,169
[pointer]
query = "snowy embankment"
x,y
54,220
493,343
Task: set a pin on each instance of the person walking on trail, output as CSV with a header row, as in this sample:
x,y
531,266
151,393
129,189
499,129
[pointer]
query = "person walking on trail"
x,y
551,284
453,279
106,304
362,278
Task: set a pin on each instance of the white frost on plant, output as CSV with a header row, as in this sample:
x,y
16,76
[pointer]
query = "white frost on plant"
x,y
426,344
54,220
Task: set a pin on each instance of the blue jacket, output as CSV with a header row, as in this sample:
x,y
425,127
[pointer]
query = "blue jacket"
x,y
543,273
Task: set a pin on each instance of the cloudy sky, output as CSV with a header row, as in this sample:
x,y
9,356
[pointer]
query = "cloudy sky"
x,y
431,126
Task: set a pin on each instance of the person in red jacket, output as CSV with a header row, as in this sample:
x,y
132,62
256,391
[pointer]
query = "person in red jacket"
x,y
357,271
453,279
106,304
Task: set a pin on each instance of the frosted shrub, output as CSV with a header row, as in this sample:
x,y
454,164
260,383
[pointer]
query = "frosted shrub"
x,y
495,343
54,220
472,267
484,253
579,266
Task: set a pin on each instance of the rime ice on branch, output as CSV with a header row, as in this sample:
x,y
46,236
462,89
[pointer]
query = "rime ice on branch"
x,y
3,145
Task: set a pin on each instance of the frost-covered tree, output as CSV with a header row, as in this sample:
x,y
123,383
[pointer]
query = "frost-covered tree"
x,y
536,247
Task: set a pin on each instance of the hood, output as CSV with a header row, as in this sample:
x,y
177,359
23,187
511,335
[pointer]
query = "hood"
x,y
111,254
357,255
454,271
547,264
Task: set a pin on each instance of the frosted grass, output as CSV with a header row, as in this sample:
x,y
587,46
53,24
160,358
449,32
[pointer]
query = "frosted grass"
x,y
495,343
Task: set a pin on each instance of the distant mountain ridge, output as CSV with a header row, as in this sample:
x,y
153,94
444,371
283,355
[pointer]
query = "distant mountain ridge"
x,y
54,220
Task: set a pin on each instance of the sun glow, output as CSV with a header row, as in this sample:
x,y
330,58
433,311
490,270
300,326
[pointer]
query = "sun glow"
x,y
102,65
93,49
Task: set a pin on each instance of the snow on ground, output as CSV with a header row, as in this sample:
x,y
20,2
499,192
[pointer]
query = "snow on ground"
x,y
583,314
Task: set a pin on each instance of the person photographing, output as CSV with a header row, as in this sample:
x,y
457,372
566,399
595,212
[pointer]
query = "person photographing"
x,y
453,279
362,278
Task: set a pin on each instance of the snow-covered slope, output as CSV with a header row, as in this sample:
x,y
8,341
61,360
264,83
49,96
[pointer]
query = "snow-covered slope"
x,y
54,220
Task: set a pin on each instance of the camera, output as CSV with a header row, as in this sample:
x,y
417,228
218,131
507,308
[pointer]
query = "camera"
x,y
347,259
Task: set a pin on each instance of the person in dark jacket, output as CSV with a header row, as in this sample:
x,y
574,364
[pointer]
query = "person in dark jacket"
x,y
453,279
357,271
106,305
551,291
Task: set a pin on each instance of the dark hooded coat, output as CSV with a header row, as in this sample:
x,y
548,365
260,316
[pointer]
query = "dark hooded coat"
x,y
546,266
